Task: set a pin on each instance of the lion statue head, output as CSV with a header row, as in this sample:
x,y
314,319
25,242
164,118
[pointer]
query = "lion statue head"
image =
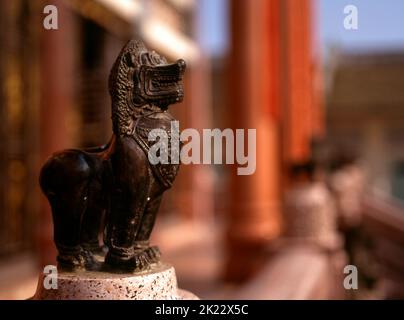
x,y
141,78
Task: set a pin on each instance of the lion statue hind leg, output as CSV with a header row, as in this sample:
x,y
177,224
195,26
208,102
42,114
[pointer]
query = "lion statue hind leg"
x,y
65,180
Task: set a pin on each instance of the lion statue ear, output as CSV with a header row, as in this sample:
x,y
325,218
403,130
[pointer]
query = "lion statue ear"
x,y
129,59
133,49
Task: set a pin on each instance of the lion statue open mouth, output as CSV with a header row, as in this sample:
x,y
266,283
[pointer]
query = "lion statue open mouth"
x,y
116,183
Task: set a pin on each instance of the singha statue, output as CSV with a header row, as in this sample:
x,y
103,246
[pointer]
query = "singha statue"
x,y
116,183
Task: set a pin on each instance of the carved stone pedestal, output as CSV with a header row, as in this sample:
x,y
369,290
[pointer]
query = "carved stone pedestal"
x,y
158,283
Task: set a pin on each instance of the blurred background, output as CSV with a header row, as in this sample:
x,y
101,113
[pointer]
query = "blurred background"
x,y
327,103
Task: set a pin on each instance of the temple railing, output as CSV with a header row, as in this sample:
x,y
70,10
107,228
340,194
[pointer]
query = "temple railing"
x,y
384,218
309,260
297,272
383,222
303,271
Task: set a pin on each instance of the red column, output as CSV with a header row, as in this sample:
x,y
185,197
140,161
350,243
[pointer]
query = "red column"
x,y
302,114
254,200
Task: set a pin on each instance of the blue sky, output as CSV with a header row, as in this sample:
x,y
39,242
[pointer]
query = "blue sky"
x,y
381,24
213,25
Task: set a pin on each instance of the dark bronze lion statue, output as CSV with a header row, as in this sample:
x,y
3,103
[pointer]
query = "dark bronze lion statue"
x,y
113,190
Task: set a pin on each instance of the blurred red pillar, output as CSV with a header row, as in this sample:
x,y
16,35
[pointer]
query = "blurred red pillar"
x,y
302,108
273,89
254,211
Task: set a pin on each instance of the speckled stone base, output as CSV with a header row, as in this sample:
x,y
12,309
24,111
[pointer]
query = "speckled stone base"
x,y
159,283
